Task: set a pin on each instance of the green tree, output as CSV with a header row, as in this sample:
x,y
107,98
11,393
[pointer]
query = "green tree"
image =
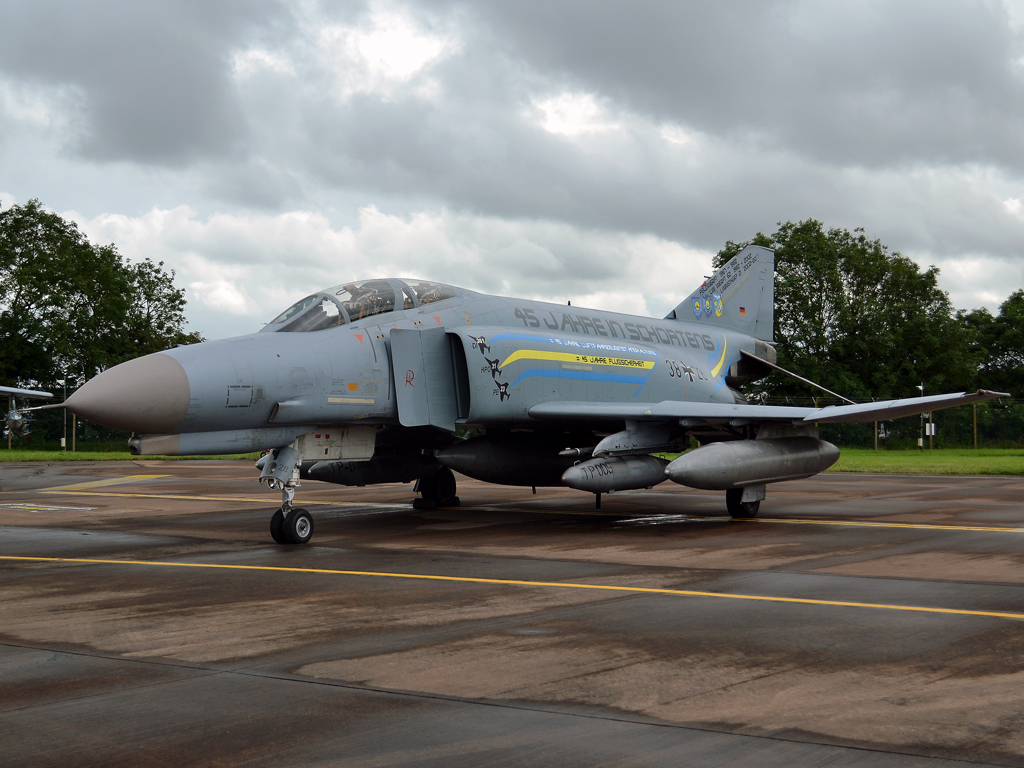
x,y
999,344
67,305
859,319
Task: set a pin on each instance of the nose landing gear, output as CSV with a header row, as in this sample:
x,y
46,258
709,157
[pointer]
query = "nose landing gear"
x,y
280,470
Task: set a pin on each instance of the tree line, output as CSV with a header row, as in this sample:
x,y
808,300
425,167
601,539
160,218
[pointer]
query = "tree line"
x,y
869,323
70,309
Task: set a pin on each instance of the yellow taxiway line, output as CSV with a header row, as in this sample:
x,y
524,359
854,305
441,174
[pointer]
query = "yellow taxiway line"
x,y
103,483
523,583
872,524
268,500
626,516
526,510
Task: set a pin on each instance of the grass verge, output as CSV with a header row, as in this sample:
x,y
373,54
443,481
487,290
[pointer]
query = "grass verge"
x,y
941,461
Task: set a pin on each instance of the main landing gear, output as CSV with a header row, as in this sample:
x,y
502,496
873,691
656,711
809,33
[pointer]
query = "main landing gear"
x,y
740,509
280,470
436,490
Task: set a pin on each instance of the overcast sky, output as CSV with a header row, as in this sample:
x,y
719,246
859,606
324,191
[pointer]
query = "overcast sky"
x,y
593,151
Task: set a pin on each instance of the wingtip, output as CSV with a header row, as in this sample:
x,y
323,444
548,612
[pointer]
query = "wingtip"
x,y
988,393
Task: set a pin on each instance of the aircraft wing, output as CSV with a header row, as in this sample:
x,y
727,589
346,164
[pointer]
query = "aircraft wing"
x,y
668,409
860,413
887,410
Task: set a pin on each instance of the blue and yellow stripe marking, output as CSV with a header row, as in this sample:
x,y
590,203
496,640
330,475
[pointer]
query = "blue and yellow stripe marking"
x,y
571,357
721,360
609,356
613,588
556,373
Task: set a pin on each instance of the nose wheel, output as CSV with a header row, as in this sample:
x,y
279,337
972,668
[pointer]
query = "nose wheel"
x,y
295,528
277,528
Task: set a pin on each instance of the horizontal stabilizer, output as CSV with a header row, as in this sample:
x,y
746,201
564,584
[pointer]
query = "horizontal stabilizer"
x,y
32,393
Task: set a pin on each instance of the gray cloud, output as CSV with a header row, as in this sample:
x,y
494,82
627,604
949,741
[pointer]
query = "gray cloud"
x,y
869,83
691,122
152,78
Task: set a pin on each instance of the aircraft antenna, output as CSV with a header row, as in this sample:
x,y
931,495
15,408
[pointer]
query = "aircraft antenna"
x,y
780,369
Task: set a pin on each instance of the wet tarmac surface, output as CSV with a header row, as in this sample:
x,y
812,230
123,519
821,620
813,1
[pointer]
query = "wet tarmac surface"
x,y
147,618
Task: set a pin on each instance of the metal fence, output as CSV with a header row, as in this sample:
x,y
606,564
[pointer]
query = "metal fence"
x,y
993,424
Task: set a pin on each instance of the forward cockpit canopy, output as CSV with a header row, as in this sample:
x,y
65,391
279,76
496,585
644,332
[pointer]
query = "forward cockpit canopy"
x,y
353,301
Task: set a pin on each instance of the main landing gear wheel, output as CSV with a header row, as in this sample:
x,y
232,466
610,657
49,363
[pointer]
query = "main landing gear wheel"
x,y
277,527
298,526
742,510
437,490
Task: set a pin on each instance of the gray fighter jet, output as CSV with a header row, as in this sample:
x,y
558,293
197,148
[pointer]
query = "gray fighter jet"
x,y
367,382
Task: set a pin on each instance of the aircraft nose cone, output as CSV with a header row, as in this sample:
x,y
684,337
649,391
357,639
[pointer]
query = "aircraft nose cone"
x,y
148,395
574,477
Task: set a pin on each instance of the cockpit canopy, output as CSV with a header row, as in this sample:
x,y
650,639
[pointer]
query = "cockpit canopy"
x,y
353,301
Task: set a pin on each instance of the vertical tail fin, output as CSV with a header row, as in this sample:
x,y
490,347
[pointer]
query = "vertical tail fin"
x,y
740,295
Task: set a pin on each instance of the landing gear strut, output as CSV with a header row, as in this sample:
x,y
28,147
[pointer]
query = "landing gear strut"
x,y
436,490
280,470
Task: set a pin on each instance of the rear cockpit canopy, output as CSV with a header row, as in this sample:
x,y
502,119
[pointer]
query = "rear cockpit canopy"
x,y
349,302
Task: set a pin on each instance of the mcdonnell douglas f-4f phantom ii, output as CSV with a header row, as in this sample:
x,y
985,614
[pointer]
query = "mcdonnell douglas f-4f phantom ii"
x,y
366,382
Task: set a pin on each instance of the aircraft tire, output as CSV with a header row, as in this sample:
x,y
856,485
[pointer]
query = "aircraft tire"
x,y
438,490
741,510
446,489
298,527
277,528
